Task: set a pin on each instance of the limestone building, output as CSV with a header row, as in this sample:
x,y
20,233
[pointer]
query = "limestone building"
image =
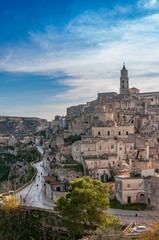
x,y
116,131
129,190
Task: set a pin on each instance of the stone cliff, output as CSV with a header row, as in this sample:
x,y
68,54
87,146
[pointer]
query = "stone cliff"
x,y
18,126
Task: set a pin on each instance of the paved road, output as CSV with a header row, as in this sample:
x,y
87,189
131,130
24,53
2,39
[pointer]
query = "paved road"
x,y
143,217
40,149
33,195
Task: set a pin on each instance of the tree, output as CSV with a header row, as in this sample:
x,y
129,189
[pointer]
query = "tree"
x,y
108,234
152,233
83,206
10,203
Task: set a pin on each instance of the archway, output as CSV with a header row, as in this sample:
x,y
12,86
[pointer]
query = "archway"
x,y
140,198
58,189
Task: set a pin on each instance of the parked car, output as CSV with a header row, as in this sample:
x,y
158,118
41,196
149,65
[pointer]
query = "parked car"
x,y
139,229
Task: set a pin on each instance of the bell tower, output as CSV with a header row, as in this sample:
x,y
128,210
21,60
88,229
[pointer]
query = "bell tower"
x,y
124,81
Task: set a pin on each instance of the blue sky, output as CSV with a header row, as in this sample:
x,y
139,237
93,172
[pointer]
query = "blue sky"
x,y
58,53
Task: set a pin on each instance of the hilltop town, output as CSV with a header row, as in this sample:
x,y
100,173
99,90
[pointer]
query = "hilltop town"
x,y
114,138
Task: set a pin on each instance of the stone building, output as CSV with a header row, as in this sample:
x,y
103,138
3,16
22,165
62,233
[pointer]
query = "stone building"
x,y
99,146
138,189
129,190
52,188
151,188
98,167
116,131
76,111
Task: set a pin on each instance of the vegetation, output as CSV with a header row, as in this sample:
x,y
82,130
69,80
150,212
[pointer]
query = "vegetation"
x,y
29,155
18,144
57,180
10,147
5,186
6,160
152,233
6,163
132,206
23,224
10,203
71,139
108,234
77,167
82,207
55,165
42,133
4,170
30,173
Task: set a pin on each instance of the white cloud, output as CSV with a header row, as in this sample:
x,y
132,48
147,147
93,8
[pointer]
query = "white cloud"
x,y
91,52
148,4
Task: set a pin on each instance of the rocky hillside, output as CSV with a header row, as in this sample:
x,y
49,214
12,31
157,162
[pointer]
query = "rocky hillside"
x,y
18,126
16,170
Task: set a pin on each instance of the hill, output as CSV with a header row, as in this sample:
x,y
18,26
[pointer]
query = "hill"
x,y
19,126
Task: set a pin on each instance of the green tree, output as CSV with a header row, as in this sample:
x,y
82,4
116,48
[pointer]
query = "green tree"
x,y
83,206
108,234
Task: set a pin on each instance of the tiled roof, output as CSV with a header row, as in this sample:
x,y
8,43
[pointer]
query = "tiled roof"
x,y
49,178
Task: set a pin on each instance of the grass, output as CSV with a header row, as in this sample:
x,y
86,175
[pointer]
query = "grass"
x,y
77,168
133,206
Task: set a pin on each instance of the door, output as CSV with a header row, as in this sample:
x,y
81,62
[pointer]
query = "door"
x,y
129,199
142,199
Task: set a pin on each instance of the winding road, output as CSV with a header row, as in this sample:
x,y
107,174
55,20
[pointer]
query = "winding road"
x,y
33,195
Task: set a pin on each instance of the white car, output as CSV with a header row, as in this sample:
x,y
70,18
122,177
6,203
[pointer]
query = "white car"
x,y
139,229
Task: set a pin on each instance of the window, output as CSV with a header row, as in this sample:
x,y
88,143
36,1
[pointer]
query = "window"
x,y
127,132
119,133
130,147
122,86
123,81
128,185
100,147
98,133
113,162
88,149
120,148
77,149
112,146
108,133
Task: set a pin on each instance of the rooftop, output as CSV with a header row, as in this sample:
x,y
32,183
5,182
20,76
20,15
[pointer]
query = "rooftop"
x,y
49,178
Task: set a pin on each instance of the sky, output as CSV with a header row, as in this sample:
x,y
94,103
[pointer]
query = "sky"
x,y
58,53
